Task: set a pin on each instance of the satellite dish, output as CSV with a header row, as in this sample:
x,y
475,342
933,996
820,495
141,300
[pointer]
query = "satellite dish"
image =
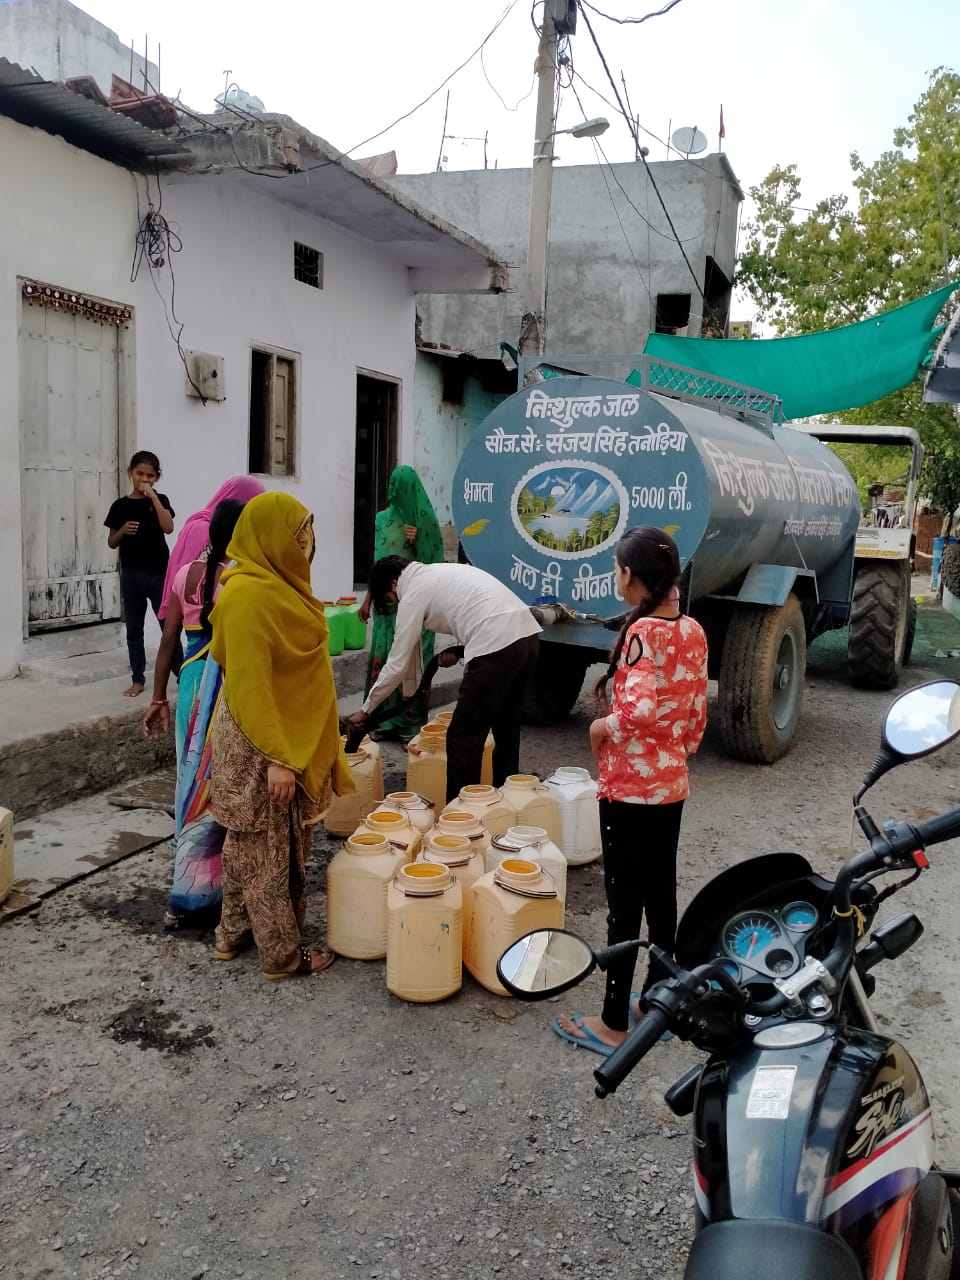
x,y
689,141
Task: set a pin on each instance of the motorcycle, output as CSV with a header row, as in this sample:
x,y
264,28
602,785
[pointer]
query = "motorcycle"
x,y
813,1138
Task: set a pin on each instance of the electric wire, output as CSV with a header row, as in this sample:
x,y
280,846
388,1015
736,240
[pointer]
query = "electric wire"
x,y
643,158
656,13
155,244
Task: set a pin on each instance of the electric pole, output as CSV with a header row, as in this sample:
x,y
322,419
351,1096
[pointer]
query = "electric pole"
x,y
559,19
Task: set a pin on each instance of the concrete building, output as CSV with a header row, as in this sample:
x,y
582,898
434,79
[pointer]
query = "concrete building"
x,y
616,270
270,328
61,42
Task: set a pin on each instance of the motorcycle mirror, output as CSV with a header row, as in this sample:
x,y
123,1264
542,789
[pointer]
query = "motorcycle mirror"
x,y
544,963
921,720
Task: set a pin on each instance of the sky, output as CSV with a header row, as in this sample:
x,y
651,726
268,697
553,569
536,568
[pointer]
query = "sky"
x,y
798,82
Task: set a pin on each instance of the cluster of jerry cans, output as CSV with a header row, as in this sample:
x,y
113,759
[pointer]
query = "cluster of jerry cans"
x,y
345,628
434,888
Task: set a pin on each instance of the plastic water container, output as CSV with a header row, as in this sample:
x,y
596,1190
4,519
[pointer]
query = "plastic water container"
x,y
333,615
534,844
366,768
357,881
354,628
420,810
534,804
576,794
461,822
424,933
427,764
939,545
397,827
465,861
6,852
486,764
507,903
487,804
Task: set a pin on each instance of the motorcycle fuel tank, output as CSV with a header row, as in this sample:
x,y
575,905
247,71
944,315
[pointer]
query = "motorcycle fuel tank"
x,y
829,1132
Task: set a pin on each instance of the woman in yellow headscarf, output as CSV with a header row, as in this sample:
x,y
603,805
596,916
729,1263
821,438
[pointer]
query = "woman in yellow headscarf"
x,y
276,742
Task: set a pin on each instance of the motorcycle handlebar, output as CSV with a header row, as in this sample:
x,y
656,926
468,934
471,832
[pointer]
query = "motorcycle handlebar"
x,y
621,1062
937,830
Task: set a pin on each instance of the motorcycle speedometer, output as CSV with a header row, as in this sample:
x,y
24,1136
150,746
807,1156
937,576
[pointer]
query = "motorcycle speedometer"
x,y
748,934
799,917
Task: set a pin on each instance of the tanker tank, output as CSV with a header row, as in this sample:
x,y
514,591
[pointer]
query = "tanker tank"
x,y
764,517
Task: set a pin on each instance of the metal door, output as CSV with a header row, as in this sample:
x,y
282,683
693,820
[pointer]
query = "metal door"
x,y
376,456
69,451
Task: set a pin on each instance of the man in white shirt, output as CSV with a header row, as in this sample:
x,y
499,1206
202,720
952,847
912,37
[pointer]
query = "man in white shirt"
x,y
500,639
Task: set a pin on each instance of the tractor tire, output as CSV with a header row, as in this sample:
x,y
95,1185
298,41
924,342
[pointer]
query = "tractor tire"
x,y
761,681
879,618
911,630
555,684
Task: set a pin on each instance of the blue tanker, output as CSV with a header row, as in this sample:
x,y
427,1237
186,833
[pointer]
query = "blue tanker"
x,y
765,518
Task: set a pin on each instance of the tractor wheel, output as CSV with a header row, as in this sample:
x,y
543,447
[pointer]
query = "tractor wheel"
x,y
879,618
761,680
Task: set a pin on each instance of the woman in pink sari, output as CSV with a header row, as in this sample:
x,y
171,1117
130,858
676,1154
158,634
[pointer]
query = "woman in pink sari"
x,y
195,535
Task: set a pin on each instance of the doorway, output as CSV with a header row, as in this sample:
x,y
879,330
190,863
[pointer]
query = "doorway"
x,y
376,456
73,389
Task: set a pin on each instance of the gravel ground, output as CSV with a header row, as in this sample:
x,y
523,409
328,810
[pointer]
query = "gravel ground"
x,y
165,1115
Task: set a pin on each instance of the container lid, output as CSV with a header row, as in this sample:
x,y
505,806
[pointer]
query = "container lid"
x,y
435,740
387,819
569,773
409,800
518,875
451,849
525,781
462,822
367,842
516,838
480,793
423,879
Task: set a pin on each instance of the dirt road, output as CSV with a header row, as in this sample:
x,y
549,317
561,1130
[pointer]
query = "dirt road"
x,y
164,1115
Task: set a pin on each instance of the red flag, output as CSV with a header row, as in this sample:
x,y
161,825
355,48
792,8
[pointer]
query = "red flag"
x,y
723,132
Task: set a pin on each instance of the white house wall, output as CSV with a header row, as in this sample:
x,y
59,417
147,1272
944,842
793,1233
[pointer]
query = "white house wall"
x,y
66,218
235,289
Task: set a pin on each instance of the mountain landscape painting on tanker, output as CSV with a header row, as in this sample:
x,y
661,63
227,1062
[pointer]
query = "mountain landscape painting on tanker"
x,y
569,509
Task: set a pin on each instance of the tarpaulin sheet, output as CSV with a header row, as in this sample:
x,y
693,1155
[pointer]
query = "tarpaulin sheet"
x,y
818,373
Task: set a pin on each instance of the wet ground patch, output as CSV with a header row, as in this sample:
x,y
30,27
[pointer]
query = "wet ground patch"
x,y
148,1025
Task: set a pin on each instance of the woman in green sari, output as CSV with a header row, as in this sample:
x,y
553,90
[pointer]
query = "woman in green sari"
x,y
408,527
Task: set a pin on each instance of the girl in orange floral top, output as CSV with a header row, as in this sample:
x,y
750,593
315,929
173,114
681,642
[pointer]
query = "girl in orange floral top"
x,y
656,718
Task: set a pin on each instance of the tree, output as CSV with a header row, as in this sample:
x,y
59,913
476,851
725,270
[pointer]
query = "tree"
x,y
840,264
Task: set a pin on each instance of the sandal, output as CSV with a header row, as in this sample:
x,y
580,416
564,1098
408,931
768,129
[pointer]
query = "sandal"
x,y
305,965
172,919
244,943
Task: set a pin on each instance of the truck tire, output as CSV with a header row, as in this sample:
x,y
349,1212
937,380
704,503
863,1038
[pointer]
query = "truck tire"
x,y
555,684
911,630
761,680
879,616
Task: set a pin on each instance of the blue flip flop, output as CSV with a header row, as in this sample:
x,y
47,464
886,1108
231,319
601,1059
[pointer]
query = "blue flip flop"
x,y
587,1041
638,995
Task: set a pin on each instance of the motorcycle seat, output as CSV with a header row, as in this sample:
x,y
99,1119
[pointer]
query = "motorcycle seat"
x,y
730,1250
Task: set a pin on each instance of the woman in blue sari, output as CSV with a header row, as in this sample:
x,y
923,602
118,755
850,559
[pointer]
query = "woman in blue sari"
x,y
196,893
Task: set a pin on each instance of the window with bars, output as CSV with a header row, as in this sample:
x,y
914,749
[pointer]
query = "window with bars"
x,y
307,265
273,413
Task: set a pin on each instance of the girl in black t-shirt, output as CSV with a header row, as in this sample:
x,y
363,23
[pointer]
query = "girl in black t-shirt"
x,y
138,524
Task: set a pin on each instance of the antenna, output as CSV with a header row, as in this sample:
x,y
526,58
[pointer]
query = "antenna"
x,y
689,141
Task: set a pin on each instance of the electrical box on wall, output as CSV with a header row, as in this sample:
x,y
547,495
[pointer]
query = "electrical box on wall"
x,y
205,376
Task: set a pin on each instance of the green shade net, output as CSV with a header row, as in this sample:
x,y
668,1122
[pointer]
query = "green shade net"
x,y
817,372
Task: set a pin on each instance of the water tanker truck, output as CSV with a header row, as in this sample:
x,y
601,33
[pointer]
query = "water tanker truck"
x,y
765,518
